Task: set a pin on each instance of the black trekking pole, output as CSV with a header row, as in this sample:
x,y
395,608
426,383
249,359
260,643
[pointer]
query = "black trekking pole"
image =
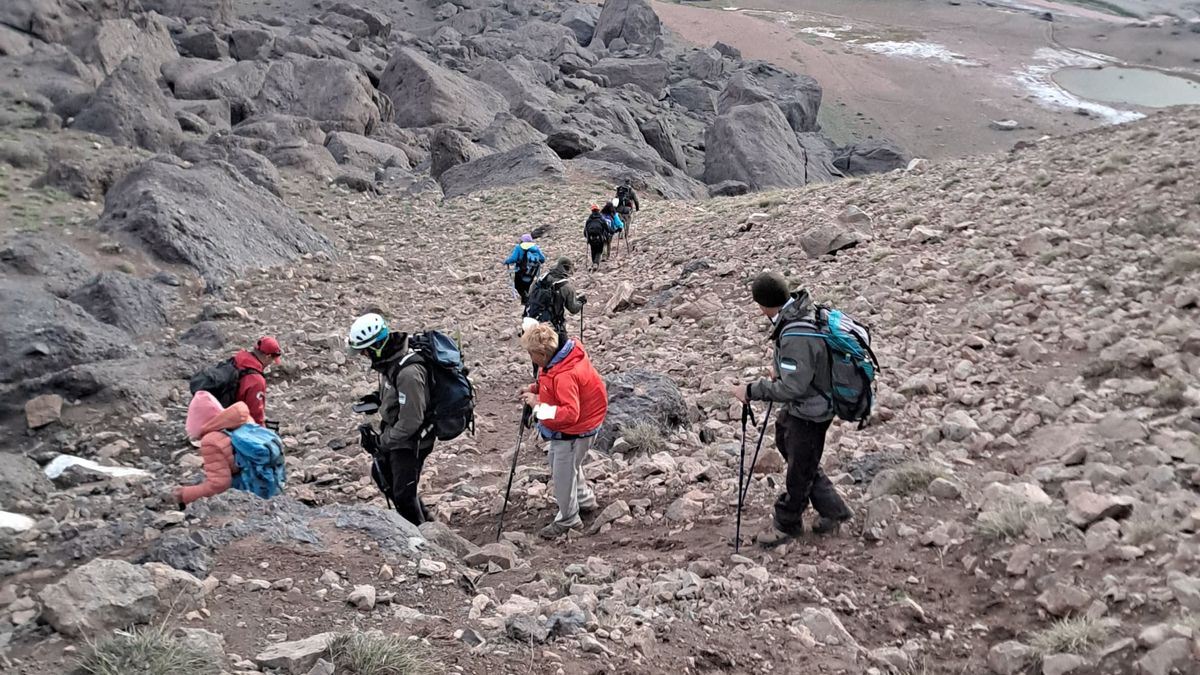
x,y
737,540
762,431
581,306
525,413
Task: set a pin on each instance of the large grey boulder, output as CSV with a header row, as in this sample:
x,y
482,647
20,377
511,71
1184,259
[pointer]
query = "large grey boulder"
x,y
214,11
517,80
641,397
695,96
507,132
660,135
581,19
873,156
21,480
334,92
57,20
798,96
203,44
634,21
450,148
251,164
648,74
237,83
530,162
364,153
378,24
101,595
105,44
134,305
130,108
706,65
425,94
753,144
50,79
208,216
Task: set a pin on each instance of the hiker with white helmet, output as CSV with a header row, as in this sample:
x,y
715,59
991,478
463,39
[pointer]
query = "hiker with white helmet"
x,y
403,442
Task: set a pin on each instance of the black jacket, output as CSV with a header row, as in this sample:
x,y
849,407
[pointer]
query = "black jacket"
x,y
403,397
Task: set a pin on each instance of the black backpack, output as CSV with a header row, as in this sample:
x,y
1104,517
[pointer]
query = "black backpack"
x,y
451,409
545,303
624,196
526,267
221,380
596,230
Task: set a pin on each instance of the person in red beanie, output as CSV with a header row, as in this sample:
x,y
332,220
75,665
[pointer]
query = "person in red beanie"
x,y
252,387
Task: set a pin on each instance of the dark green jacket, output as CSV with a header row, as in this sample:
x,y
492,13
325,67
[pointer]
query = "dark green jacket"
x,y
801,366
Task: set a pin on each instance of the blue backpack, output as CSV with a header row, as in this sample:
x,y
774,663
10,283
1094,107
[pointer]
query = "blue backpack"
x,y
258,453
852,364
451,409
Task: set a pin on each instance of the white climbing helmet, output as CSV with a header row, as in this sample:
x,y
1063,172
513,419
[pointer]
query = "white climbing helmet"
x,y
616,202
366,331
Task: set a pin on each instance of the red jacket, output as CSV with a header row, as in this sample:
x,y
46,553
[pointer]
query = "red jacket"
x,y
252,388
572,385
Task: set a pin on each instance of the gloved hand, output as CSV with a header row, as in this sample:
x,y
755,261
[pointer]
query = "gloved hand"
x,y
527,417
368,438
581,298
370,398
272,425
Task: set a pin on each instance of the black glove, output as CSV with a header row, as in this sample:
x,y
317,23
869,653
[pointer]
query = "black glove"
x,y
272,425
581,298
368,438
527,417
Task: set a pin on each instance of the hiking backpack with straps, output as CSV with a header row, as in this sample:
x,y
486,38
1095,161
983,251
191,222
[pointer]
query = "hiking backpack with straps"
x,y
527,267
852,363
624,196
258,453
221,380
545,303
451,408
596,230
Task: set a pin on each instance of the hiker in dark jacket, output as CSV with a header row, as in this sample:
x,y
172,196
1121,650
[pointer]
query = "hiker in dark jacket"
x,y
527,259
627,203
801,375
560,299
405,439
598,233
615,224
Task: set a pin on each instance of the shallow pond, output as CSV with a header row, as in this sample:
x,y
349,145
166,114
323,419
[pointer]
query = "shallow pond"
x,y
1132,86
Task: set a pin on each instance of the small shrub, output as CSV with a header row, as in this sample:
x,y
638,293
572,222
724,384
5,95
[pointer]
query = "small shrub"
x,y
1074,635
360,653
644,437
147,651
910,477
1011,520
1141,530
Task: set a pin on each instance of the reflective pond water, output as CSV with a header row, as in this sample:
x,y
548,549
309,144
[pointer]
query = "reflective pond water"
x,y
1132,86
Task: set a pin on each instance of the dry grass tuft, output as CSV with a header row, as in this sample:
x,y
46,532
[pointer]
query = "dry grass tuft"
x,y
644,437
909,478
1075,635
362,653
147,651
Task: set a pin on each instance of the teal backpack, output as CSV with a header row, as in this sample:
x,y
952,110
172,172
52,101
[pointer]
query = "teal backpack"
x,y
258,453
852,364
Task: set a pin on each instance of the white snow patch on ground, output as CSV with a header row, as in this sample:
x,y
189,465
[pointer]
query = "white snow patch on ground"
x,y
15,522
63,462
1036,79
830,32
920,50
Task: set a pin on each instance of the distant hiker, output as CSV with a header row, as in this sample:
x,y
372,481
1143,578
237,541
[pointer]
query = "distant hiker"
x,y
802,379
423,396
627,203
615,224
598,232
526,261
236,452
241,378
552,296
569,402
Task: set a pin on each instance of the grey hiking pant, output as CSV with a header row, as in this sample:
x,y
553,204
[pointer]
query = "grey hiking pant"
x,y
571,490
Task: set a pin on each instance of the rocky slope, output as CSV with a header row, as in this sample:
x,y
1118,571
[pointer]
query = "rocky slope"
x,y
1026,500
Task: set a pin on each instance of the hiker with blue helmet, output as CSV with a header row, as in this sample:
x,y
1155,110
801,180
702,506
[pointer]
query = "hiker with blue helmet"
x,y
803,375
525,261
404,440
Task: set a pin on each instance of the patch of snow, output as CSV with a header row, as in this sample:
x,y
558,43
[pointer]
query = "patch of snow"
x,y
63,462
1036,79
15,522
920,50
830,32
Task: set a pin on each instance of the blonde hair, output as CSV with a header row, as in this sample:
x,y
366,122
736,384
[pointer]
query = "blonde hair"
x,y
541,338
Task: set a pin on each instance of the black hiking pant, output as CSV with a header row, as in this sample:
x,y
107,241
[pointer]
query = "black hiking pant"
x,y
522,286
404,467
802,443
597,250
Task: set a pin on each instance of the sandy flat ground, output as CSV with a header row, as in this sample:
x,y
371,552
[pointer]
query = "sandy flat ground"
x,y
931,75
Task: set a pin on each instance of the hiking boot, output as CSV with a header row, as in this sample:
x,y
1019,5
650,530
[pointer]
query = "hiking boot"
x,y
828,525
589,507
773,536
554,530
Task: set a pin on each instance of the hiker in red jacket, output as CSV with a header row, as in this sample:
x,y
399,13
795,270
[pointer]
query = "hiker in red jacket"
x,y
252,388
570,403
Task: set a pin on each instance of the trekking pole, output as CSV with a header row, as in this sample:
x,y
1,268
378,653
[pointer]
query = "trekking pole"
x,y
762,431
525,413
737,537
581,306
